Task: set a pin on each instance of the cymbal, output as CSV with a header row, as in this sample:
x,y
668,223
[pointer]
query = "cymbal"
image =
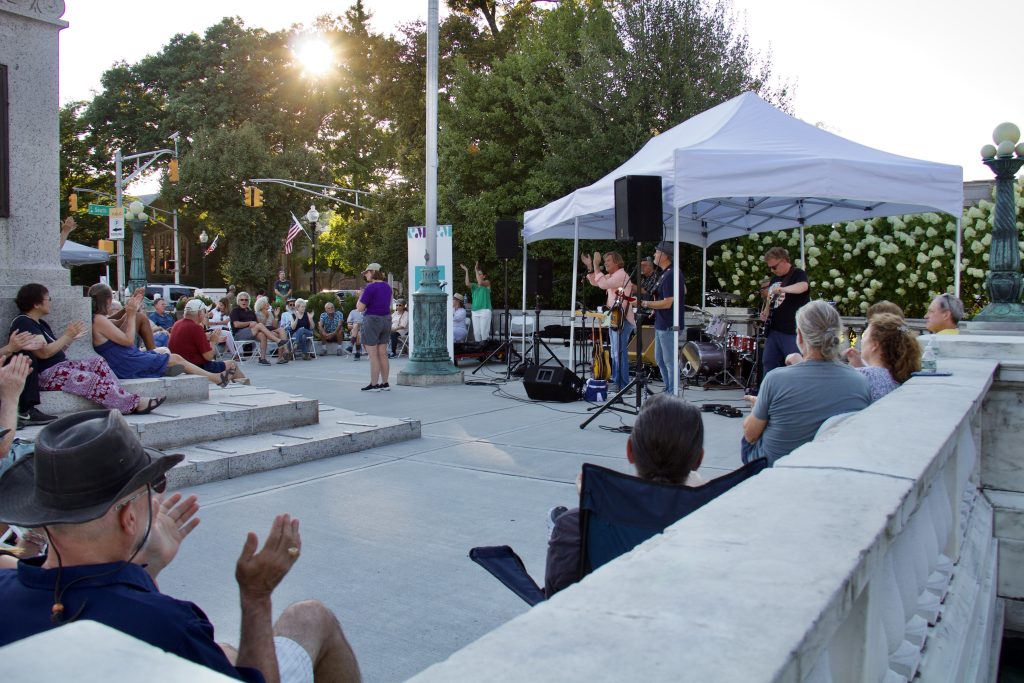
x,y
727,296
694,308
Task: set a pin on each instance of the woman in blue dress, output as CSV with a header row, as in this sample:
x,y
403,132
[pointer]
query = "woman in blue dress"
x,y
117,346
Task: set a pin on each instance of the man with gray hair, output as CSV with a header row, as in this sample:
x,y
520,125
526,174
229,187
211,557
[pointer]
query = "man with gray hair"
x,y
96,492
794,401
944,314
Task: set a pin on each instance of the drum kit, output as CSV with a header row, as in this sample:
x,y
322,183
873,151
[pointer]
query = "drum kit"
x,y
723,357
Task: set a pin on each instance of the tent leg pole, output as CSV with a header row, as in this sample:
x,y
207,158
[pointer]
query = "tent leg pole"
x,y
572,301
677,306
956,266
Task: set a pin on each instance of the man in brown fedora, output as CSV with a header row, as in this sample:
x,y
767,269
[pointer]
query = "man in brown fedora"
x,y
94,490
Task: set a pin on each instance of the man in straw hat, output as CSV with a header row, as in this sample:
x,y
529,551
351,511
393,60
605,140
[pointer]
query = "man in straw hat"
x,y
94,490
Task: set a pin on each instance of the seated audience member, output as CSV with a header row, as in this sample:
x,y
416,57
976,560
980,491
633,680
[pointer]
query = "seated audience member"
x,y
331,326
889,354
142,324
300,329
90,378
189,340
245,326
111,534
162,322
354,321
219,320
884,307
399,326
460,331
794,400
278,329
115,345
658,454
944,314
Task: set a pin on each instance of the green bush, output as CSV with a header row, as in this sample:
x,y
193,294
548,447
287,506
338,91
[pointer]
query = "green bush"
x,y
179,305
315,304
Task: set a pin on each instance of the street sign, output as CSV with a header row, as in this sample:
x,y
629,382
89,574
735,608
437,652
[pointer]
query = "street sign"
x,y
116,231
99,210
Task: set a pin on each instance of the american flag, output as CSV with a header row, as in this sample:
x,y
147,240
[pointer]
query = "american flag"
x,y
293,232
213,245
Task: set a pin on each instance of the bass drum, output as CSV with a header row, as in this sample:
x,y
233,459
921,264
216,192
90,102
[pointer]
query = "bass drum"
x,y
703,358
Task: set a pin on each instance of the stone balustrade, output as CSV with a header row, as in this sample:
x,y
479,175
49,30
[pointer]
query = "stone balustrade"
x,y
869,554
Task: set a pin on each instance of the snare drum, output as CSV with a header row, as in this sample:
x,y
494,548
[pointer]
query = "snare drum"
x,y
741,343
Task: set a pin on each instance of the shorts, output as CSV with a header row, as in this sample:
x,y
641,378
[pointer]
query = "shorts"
x,y
293,662
243,335
217,366
375,329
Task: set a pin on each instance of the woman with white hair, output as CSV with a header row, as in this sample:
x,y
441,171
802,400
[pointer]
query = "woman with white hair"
x,y
301,329
795,400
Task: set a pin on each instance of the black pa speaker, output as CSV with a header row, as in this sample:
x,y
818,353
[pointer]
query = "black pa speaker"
x,y
553,383
538,277
506,239
638,208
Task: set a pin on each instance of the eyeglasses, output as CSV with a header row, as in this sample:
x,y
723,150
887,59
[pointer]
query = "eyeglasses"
x,y
776,265
158,486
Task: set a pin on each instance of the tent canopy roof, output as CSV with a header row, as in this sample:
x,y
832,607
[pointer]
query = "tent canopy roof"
x,y
745,167
75,254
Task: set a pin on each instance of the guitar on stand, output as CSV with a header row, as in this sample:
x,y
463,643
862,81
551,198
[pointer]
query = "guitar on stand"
x,y
602,366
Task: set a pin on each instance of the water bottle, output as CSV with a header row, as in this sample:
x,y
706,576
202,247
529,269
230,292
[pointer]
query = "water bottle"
x,y
928,362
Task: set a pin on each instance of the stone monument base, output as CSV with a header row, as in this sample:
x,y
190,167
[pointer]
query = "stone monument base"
x,y
992,328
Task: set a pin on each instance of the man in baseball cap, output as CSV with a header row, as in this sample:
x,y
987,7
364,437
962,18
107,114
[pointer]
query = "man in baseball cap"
x,y
93,488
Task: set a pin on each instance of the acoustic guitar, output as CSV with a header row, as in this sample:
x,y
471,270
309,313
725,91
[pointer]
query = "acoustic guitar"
x,y
618,311
602,368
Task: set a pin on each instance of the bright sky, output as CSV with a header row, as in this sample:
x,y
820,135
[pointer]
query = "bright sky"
x,y
926,81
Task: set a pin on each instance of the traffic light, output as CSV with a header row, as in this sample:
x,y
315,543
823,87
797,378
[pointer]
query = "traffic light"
x,y
172,171
257,198
72,202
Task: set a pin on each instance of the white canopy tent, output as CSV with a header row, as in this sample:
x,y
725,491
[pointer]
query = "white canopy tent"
x,y
745,167
75,254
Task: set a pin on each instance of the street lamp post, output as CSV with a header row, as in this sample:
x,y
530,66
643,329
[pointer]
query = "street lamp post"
x,y
313,218
1004,282
203,239
136,218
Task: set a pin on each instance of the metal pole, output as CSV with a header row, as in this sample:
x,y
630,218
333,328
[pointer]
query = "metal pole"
x,y
118,200
177,254
956,267
312,238
575,275
677,305
431,207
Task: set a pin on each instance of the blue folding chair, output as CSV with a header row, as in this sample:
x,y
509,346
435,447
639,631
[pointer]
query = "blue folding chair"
x,y
617,513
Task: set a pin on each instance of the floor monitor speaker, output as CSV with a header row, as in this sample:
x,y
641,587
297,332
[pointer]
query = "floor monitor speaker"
x,y
554,383
649,339
506,239
638,208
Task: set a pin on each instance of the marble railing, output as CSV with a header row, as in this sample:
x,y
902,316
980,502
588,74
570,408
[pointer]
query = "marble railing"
x,y
866,555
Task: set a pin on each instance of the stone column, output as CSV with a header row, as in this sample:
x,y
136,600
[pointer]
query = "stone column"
x,y
29,235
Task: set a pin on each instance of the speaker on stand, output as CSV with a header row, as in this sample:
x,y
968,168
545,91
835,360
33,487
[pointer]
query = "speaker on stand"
x,y
638,216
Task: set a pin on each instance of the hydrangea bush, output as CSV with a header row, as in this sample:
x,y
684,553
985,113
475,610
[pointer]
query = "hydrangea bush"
x,y
906,259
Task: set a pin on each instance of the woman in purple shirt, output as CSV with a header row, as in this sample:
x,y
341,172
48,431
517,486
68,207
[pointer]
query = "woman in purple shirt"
x,y
375,305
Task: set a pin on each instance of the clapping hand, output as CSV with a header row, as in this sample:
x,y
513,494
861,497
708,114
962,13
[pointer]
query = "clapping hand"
x,y
463,265
12,377
259,573
74,330
26,341
586,261
173,520
853,357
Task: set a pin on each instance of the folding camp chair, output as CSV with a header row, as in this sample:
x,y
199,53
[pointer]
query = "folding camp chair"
x,y
617,513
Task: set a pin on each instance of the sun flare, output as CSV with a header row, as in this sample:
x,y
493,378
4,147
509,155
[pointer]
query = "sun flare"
x,y
315,56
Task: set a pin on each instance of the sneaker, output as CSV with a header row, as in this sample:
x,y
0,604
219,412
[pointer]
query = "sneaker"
x,y
339,351
34,416
355,357
281,361
264,361
384,387
370,387
553,514
391,355
347,348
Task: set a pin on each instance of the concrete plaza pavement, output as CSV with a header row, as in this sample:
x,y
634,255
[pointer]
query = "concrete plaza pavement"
x,y
386,532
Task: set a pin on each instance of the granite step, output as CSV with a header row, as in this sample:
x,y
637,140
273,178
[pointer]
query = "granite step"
x,y
339,432
176,389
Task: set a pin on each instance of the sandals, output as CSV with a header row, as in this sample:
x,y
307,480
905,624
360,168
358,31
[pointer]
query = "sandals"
x,y
225,377
151,405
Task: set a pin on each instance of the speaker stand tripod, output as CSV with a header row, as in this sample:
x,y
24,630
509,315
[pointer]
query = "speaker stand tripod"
x,y
536,343
506,344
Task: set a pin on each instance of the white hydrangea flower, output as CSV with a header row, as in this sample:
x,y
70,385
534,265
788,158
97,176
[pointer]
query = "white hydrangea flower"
x,y
938,251
847,256
863,307
931,232
872,254
856,251
974,212
987,240
851,228
833,273
900,267
834,236
922,257
937,264
840,282
969,232
932,277
977,247
859,277
869,228
912,277
897,223
922,284
811,261
900,291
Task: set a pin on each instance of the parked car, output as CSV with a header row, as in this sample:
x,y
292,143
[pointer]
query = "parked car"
x,y
170,292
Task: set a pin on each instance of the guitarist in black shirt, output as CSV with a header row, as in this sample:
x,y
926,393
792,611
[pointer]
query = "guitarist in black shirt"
x,y
787,292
